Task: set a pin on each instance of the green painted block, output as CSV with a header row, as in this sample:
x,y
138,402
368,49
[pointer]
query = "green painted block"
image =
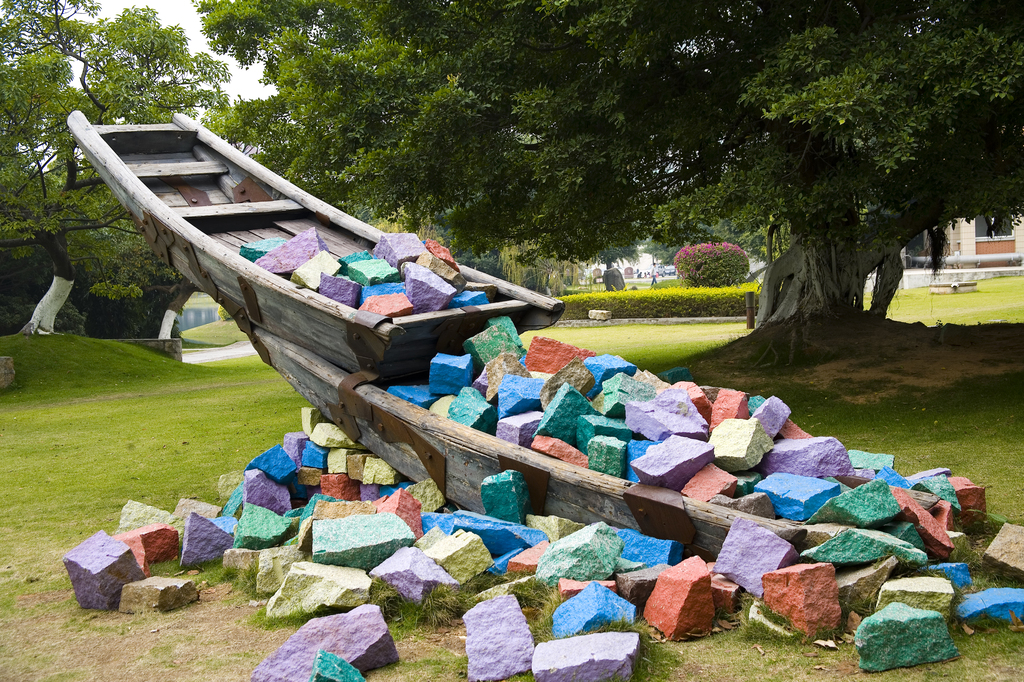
x,y
941,487
588,554
490,343
868,506
901,636
606,454
621,389
863,546
359,541
260,528
328,667
745,482
471,409
348,260
505,322
505,496
675,375
589,426
627,566
921,592
870,460
561,414
373,271
904,530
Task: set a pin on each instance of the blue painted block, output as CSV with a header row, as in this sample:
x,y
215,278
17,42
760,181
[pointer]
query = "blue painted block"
x,y
449,374
754,402
593,607
889,475
234,502
647,550
386,490
500,537
797,497
226,523
465,298
417,395
958,574
518,394
299,492
605,367
635,450
500,565
445,522
996,602
380,290
314,456
276,464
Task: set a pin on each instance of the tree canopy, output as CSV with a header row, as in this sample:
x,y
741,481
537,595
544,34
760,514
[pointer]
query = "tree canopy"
x,y
573,126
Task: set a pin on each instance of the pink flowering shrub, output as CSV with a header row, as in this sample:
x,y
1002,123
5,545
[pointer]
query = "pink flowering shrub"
x,y
712,265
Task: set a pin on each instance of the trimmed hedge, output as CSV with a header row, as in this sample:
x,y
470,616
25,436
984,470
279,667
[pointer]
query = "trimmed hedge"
x,y
668,302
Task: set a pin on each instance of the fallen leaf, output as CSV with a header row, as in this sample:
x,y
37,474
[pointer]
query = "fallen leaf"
x,y
1015,624
820,667
826,644
726,625
967,629
811,654
179,573
193,572
716,630
853,621
760,649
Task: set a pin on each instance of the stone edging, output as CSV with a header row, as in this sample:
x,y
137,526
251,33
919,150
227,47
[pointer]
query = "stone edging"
x,y
648,320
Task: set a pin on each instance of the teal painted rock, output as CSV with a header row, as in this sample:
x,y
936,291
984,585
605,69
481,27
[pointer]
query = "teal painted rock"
x,y
590,425
675,375
471,409
561,414
870,460
921,592
555,527
588,554
490,343
371,272
505,322
607,454
462,554
260,528
505,496
328,667
863,546
940,486
309,586
345,261
900,636
745,482
904,530
867,506
360,541
621,389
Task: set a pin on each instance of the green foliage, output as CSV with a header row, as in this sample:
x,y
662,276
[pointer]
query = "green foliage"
x,y
671,301
712,265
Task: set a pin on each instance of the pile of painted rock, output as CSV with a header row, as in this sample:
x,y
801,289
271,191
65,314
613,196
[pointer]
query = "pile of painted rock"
x,y
403,275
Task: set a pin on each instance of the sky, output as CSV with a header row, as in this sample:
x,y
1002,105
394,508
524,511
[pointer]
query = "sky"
x,y
245,83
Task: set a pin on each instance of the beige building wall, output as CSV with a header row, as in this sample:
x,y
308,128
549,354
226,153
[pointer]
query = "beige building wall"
x,y
963,240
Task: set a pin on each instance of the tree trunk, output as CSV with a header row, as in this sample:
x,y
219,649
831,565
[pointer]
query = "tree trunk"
x,y
822,279
45,313
185,290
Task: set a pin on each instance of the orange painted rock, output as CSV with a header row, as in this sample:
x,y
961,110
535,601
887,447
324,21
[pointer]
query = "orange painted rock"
x,y
682,603
708,482
791,430
151,544
526,561
936,541
405,507
971,498
729,404
807,594
441,252
700,400
726,593
559,449
340,487
548,356
568,587
388,305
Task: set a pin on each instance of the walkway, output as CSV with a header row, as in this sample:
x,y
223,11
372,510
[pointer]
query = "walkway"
x,y
242,349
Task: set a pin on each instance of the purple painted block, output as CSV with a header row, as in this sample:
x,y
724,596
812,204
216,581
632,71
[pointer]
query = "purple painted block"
x,y
772,414
864,473
920,476
815,457
368,492
498,639
398,247
427,291
204,541
519,428
480,383
294,444
413,574
340,289
677,401
99,568
656,423
360,636
593,658
672,463
258,489
286,258
750,551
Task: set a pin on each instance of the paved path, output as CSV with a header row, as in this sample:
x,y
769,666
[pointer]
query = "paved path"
x,y
241,349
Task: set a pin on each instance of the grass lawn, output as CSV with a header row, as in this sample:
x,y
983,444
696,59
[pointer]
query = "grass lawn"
x,y
219,333
91,424
1001,298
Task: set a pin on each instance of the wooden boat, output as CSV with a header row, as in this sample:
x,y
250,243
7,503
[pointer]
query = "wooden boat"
x,y
197,199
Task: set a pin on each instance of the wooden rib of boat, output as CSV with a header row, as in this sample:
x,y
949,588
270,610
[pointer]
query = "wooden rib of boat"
x,y
197,199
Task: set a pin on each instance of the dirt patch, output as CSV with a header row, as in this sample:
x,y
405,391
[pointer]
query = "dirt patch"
x,y
27,601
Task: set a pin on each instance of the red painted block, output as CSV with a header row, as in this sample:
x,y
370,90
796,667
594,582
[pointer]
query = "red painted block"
x,y
559,449
682,604
406,507
549,356
388,305
526,561
340,487
936,542
151,544
807,594
729,404
971,498
708,482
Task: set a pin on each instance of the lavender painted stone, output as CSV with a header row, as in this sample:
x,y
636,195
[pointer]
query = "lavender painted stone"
x,y
426,290
672,463
368,492
413,574
750,551
815,457
263,492
341,289
481,384
922,475
99,568
588,658
655,423
519,428
287,258
360,636
772,414
678,402
204,540
294,444
498,640
398,247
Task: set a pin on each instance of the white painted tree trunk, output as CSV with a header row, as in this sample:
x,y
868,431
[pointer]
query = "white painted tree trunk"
x,y
168,324
46,310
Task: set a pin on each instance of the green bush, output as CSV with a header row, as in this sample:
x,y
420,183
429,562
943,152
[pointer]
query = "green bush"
x,y
668,302
712,265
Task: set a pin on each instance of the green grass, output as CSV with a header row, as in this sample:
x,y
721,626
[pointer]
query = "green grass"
x,y
219,333
1001,298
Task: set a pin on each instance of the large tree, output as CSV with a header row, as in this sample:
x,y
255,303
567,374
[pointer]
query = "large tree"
x,y
55,58
846,127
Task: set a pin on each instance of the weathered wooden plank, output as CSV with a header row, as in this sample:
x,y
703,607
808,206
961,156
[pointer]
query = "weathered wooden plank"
x,y
163,170
229,210
229,240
